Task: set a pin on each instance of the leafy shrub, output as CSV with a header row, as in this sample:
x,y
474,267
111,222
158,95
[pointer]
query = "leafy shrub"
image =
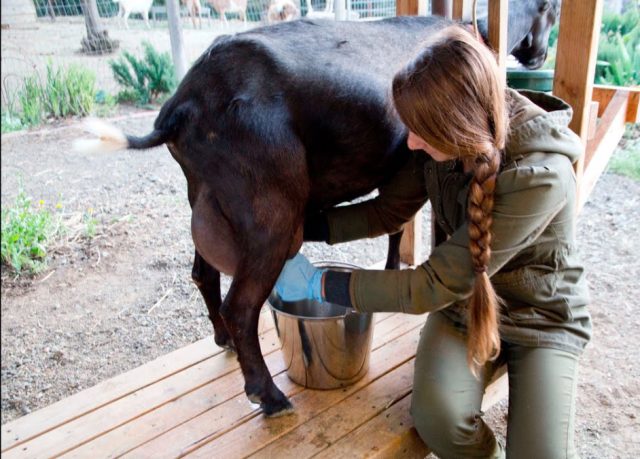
x,y
68,91
64,92
619,49
144,80
26,231
618,61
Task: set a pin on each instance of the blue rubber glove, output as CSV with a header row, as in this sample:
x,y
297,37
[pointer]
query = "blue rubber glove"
x,y
300,280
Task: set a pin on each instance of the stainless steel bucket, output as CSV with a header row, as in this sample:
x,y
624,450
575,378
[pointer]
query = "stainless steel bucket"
x,y
324,345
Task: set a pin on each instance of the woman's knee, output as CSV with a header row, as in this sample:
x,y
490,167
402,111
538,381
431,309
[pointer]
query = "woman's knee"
x,y
448,427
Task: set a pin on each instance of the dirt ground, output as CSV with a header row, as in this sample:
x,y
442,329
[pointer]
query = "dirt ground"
x,y
118,300
27,49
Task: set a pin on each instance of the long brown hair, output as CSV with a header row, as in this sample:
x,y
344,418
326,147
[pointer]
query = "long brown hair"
x,y
452,96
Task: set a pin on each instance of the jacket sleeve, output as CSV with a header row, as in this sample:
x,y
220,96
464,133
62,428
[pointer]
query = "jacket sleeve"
x,y
397,201
527,199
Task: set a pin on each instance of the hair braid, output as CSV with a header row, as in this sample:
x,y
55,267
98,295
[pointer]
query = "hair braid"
x,y
484,338
453,66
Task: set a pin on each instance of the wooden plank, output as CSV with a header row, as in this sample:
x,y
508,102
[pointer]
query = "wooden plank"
x,y
411,242
320,432
612,120
85,428
161,420
232,417
391,433
498,18
600,149
39,422
604,93
258,432
576,61
377,437
593,120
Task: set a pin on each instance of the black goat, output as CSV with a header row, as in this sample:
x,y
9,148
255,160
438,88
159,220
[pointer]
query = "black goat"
x,y
275,122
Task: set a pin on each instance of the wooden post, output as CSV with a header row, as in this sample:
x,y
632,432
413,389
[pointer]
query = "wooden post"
x,y
458,9
411,242
498,23
407,7
442,8
576,63
175,36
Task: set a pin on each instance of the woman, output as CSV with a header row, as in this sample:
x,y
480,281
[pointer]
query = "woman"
x,y
505,287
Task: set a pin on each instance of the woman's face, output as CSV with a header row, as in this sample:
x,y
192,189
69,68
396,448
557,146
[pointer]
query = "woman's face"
x,y
415,142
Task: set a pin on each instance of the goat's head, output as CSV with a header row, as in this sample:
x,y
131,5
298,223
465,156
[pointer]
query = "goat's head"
x,y
536,21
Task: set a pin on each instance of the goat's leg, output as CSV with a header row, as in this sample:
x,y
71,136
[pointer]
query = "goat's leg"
x,y
207,279
393,253
145,16
240,310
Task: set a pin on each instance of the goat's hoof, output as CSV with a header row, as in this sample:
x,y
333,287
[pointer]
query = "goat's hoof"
x,y
275,410
225,343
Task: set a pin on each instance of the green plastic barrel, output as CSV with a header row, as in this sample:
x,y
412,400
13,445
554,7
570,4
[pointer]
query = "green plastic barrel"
x,y
537,80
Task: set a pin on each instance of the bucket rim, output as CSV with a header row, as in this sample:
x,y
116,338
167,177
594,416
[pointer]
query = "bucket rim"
x,y
336,265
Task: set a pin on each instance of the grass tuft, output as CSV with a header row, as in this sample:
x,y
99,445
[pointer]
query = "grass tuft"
x,y
27,230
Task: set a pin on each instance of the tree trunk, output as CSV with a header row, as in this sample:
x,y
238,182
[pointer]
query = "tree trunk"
x,y
97,40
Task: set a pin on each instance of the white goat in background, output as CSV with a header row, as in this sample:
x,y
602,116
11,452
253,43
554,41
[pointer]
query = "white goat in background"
x,y
193,9
134,6
223,7
329,12
282,11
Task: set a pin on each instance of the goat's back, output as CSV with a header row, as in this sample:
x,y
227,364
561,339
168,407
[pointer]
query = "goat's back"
x,y
320,89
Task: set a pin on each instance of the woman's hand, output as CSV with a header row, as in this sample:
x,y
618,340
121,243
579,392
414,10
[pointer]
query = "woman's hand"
x,y
300,280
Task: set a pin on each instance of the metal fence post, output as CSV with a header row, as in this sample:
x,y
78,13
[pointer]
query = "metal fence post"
x,y
175,35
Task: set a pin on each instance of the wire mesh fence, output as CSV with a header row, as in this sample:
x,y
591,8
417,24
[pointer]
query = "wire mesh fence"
x,y
42,39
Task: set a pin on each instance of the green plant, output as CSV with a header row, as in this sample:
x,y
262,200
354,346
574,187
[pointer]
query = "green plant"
x,y
64,92
10,121
626,158
619,49
26,232
30,97
69,91
144,80
90,223
105,104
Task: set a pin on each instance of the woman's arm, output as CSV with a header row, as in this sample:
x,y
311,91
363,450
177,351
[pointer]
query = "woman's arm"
x,y
527,199
397,201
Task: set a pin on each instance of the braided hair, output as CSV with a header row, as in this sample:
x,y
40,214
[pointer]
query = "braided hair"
x,y
452,96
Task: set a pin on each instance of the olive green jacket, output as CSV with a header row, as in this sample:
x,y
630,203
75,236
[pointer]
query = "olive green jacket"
x,y
533,266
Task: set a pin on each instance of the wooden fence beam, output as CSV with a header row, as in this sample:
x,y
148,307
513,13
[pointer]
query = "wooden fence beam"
x,y
576,62
498,23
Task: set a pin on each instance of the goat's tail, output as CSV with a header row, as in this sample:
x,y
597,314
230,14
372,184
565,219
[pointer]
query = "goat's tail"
x,y
110,138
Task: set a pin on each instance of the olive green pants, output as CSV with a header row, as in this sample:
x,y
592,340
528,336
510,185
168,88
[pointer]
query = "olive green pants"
x,y
447,398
